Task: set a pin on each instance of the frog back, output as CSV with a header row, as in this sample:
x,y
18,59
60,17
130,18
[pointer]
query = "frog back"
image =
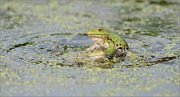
x,y
118,41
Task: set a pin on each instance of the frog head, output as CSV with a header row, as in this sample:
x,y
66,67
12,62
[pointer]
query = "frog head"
x,y
97,34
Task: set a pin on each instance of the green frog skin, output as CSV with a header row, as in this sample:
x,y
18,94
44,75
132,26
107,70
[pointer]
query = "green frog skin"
x,y
110,43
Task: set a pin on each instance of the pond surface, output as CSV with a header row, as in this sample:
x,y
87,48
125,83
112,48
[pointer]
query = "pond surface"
x,y
37,36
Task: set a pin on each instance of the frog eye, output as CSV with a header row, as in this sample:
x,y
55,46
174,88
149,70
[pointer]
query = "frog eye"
x,y
99,29
120,48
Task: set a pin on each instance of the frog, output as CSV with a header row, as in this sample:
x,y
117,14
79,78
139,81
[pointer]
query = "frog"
x,y
111,44
106,47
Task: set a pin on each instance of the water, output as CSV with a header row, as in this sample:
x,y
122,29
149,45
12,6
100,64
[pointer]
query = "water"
x,y
33,32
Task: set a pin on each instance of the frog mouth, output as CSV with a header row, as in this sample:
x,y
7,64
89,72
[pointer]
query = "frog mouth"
x,y
95,35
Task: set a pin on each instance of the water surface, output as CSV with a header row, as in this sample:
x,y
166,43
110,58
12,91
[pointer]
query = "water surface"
x,y
30,31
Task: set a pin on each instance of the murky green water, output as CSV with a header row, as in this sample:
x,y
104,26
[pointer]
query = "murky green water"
x,y
34,35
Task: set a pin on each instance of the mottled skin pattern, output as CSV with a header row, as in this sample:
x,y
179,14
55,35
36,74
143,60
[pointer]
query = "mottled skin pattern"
x,y
111,44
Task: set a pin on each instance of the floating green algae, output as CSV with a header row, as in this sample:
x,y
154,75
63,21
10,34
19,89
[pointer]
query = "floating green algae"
x,y
44,36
